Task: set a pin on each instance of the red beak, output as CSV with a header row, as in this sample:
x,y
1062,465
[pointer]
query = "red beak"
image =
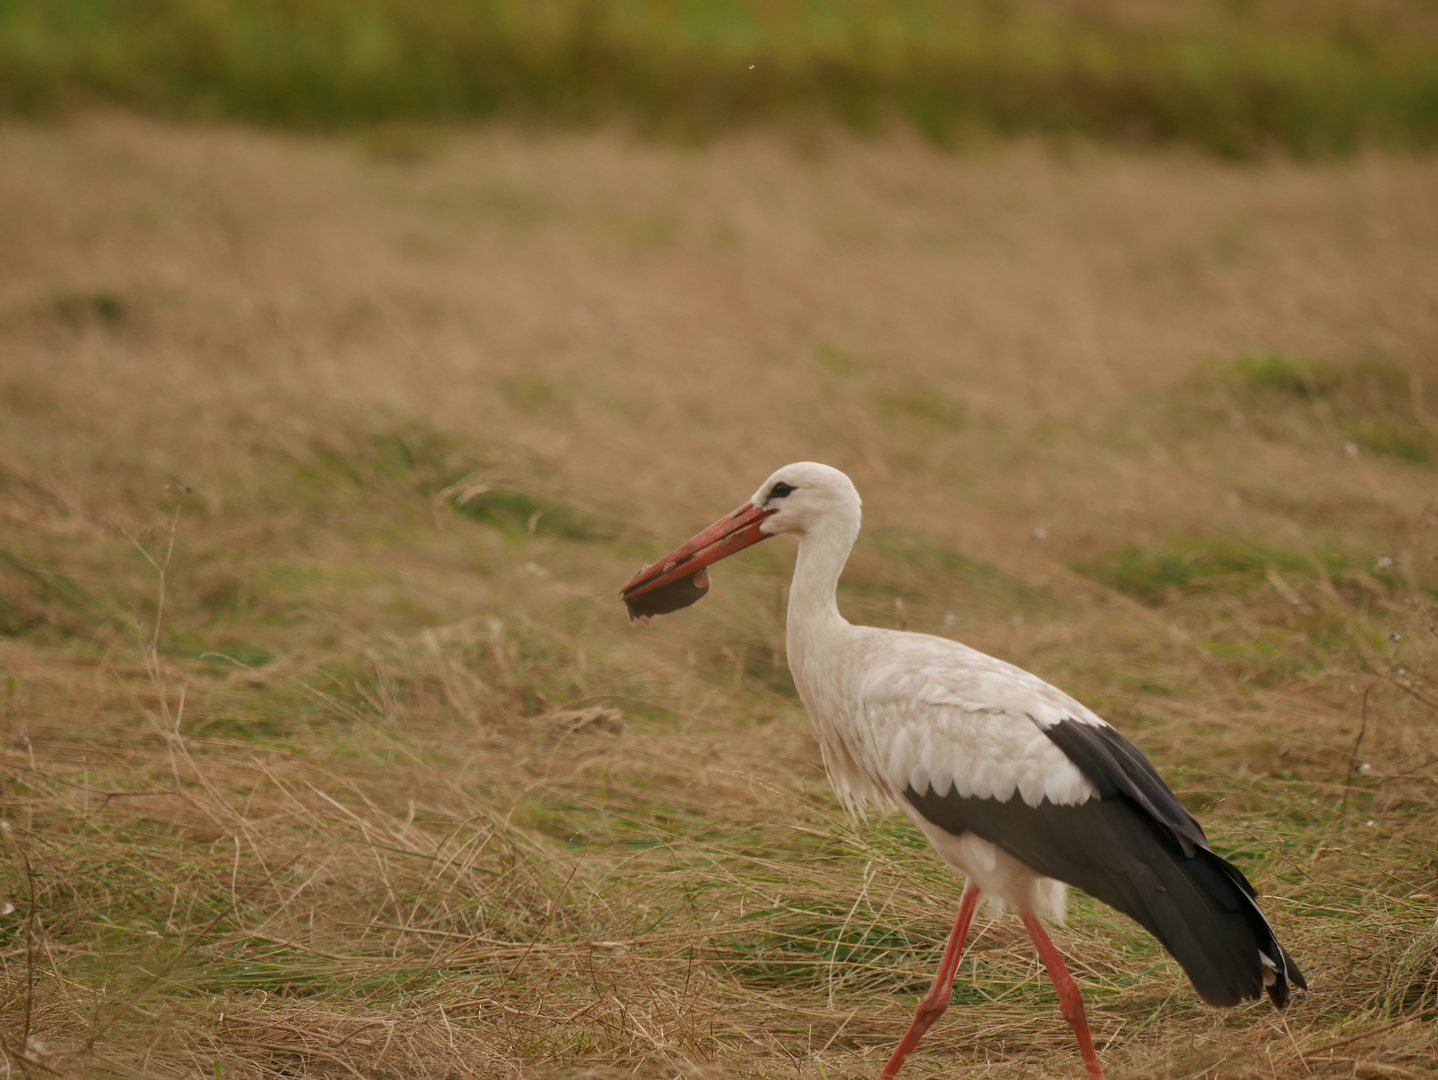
x,y
680,578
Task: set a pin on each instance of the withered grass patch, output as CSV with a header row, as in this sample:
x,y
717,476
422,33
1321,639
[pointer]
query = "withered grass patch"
x,y
327,750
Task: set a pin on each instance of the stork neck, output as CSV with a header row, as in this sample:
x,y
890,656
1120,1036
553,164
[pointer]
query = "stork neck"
x,y
822,555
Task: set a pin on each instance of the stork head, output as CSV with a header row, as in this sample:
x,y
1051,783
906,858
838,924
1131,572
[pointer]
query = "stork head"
x,y
799,498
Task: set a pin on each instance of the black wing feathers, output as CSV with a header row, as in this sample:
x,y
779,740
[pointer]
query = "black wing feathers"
x,y
1137,849
1115,766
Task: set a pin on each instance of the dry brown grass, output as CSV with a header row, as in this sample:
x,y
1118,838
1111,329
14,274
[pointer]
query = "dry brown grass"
x,y
393,790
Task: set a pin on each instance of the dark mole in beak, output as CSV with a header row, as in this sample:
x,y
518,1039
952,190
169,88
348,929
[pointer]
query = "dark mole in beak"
x,y
672,597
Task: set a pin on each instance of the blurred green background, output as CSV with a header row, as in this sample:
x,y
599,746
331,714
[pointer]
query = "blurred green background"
x,y
1237,77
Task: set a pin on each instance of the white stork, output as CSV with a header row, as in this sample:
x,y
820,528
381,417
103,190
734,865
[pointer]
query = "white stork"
x,y
1019,787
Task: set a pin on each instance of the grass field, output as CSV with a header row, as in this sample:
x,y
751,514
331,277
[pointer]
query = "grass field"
x,y
1236,77
328,751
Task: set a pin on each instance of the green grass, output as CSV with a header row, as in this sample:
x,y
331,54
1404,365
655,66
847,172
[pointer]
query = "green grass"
x,y
1293,376
1238,78
1406,442
1356,407
521,511
1192,565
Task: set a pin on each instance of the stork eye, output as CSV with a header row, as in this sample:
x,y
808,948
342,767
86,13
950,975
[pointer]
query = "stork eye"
x,y
779,490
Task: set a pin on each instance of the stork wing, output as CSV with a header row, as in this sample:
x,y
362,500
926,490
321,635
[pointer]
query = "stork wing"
x,y
990,728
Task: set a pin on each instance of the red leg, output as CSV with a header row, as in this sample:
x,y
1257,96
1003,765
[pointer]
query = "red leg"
x,y
1070,1003
933,1004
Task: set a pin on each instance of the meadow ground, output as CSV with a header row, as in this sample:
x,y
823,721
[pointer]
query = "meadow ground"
x,y
328,751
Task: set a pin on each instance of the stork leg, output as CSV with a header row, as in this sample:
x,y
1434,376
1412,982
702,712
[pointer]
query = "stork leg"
x,y
1070,1003
933,1004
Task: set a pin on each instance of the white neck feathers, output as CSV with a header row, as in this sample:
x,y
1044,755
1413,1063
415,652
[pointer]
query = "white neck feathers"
x,y
813,610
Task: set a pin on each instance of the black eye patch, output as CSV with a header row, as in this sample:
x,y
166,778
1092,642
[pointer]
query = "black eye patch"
x,y
781,489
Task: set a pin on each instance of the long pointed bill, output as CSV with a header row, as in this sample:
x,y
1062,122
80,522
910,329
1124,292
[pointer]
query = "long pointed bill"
x,y
681,578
